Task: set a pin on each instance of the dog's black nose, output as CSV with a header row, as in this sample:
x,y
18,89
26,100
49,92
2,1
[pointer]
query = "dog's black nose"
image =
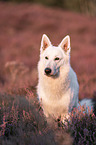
x,y
47,71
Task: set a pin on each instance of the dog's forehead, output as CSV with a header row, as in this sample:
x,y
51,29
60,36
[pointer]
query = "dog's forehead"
x,y
53,51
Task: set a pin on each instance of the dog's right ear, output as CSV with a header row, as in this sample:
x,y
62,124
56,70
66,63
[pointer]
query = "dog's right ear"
x,y
45,42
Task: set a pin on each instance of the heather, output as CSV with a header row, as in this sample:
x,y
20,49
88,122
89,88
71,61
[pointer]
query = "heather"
x,y
83,128
81,6
22,121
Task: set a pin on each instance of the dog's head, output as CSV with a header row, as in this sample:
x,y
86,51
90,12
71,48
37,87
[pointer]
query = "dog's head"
x,y
54,57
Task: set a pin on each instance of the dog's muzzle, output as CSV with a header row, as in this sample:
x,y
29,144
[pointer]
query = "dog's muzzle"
x,y
49,72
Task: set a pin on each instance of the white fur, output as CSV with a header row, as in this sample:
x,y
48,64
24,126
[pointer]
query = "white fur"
x,y
88,105
58,91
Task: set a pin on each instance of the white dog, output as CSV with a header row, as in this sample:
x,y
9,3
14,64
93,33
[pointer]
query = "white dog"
x,y
58,87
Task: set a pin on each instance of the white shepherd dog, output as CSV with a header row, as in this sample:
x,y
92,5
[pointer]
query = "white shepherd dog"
x,y
58,87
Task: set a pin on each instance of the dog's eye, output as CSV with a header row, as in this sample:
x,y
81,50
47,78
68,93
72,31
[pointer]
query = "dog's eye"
x,y
46,57
57,58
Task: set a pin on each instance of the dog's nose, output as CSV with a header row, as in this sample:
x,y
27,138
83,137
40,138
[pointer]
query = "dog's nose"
x,y
47,71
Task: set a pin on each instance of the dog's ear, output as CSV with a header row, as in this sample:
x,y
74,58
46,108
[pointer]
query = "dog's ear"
x,y
65,44
45,42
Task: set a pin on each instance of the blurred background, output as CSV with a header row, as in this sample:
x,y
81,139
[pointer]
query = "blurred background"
x,y
22,24
82,6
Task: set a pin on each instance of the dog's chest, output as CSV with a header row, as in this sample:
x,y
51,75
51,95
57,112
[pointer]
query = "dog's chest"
x,y
55,108
55,89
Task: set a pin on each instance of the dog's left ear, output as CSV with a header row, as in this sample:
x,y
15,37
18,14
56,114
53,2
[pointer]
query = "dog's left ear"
x,y
65,44
45,42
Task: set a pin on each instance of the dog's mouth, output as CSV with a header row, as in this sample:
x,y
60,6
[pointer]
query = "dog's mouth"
x,y
52,76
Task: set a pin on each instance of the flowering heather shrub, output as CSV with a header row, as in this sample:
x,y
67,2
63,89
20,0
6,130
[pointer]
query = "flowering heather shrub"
x,y
83,128
22,122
